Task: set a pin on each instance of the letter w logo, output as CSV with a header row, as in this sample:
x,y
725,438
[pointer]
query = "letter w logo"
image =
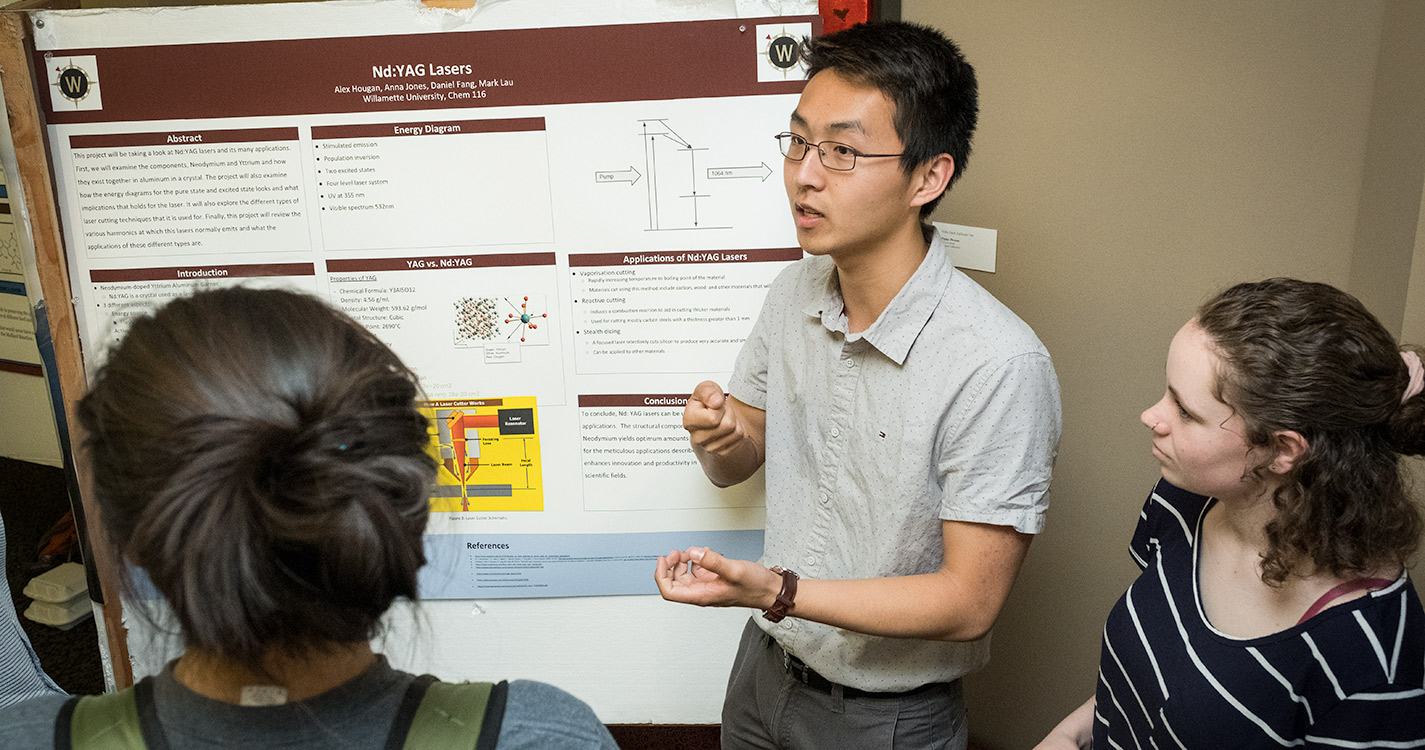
x,y
783,52
74,81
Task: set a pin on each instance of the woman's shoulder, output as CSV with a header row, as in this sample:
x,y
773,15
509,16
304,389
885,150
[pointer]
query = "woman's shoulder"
x,y
1372,652
1365,643
1170,511
539,715
30,724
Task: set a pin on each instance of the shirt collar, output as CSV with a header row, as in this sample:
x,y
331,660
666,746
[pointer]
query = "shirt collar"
x,y
901,322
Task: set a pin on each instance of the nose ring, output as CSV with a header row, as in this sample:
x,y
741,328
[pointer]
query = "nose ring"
x,y
1154,428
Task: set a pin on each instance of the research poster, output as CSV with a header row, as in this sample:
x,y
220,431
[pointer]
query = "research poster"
x,y
18,351
562,230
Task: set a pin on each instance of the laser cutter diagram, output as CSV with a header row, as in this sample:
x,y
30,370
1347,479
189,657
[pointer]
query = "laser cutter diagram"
x,y
480,320
675,182
489,455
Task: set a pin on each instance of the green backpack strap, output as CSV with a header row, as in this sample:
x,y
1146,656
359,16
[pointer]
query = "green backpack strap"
x,y
100,722
449,715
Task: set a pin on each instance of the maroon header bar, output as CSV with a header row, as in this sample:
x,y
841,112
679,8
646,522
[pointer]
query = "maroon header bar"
x,y
668,400
7,365
191,273
182,138
675,257
442,263
496,68
450,127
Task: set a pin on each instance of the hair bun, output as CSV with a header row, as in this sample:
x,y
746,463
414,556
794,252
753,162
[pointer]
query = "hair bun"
x,y
261,455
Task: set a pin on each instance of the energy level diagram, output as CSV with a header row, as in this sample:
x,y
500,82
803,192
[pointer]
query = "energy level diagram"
x,y
677,178
481,320
489,455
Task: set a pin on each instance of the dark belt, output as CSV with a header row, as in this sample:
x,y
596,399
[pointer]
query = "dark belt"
x,y
809,677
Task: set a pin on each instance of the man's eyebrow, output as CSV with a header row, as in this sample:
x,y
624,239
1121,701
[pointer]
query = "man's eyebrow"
x,y
845,126
853,126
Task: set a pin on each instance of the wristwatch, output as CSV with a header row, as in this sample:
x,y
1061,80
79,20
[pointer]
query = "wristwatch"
x,y
779,608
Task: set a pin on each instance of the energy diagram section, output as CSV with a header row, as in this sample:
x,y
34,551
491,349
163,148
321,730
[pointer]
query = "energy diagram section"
x,y
691,185
489,455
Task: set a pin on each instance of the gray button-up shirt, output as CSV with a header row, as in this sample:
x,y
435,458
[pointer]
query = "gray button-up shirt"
x,y
946,408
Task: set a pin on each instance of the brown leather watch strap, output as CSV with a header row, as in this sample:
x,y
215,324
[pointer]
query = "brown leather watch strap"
x,y
785,597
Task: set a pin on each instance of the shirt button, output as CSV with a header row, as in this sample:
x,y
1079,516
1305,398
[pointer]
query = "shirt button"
x,y
825,498
836,432
811,559
850,363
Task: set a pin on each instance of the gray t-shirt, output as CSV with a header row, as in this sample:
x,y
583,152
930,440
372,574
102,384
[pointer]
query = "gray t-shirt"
x,y
944,409
354,716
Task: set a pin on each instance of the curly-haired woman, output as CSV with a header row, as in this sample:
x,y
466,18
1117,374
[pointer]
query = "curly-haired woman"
x,y
1274,609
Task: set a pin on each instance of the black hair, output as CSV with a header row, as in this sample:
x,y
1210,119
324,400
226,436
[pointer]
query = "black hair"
x,y
261,456
922,72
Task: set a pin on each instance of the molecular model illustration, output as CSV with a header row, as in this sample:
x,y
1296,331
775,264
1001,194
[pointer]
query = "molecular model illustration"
x,y
476,319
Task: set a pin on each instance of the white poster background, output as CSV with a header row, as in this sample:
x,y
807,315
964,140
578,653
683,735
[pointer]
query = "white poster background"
x,y
714,186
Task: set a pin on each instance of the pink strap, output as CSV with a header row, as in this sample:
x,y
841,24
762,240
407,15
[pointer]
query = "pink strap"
x,y
1340,591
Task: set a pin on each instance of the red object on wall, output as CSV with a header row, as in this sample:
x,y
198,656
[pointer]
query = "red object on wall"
x,y
843,14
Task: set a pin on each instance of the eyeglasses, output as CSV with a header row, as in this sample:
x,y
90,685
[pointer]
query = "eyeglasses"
x,y
837,157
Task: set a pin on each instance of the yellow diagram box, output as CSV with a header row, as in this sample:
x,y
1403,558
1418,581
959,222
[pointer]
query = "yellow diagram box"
x,y
488,450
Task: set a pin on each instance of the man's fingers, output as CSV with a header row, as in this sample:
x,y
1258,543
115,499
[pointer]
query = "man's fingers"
x,y
709,394
706,407
715,441
705,558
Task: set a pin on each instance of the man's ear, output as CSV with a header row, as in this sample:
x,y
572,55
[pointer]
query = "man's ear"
x,y
932,178
1290,447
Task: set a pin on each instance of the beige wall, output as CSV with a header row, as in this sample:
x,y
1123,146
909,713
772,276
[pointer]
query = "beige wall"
x,y
1386,224
1136,157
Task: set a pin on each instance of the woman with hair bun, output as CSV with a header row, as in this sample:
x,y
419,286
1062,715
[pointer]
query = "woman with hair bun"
x,y
1274,609
261,457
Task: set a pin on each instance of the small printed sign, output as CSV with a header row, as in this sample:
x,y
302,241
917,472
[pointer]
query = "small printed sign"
x,y
972,248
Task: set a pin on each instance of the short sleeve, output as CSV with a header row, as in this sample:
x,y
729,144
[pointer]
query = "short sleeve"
x,y
1169,514
539,716
996,465
30,725
749,374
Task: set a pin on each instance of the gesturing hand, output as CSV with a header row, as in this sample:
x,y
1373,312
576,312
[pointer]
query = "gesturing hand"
x,y
715,581
710,423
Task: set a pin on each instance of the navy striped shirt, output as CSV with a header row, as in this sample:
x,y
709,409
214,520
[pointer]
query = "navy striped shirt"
x,y
1353,676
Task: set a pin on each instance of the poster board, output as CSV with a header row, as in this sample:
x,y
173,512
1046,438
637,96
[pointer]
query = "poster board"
x,y
356,150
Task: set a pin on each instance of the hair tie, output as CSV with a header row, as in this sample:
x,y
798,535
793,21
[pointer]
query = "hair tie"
x,y
1417,375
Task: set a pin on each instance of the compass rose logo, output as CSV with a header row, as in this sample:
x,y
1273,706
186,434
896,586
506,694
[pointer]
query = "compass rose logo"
x,y
780,50
74,83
